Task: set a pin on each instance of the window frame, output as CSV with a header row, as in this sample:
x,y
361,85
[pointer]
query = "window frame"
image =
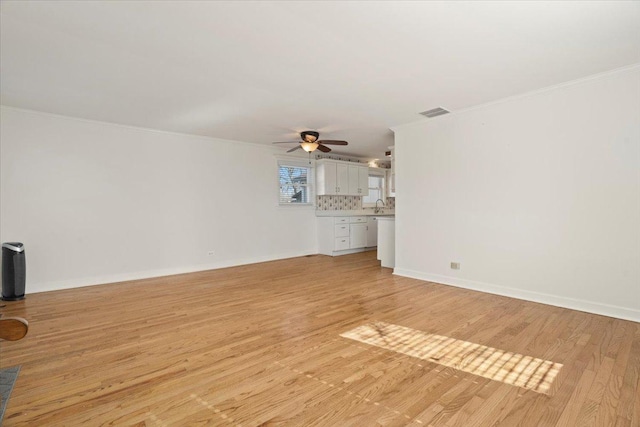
x,y
297,162
378,173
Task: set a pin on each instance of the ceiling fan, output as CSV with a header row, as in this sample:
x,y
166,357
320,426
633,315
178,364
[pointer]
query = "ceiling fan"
x,y
309,142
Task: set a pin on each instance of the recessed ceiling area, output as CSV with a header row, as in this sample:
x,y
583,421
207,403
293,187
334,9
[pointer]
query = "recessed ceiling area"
x,y
264,71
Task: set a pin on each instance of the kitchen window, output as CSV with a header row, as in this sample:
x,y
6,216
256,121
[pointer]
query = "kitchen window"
x,y
376,188
294,183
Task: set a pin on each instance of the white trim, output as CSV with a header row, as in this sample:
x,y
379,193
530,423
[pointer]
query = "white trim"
x,y
350,251
378,171
629,68
297,162
555,300
149,274
377,174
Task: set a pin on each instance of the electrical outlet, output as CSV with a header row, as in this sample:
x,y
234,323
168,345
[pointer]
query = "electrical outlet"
x,y
455,265
211,253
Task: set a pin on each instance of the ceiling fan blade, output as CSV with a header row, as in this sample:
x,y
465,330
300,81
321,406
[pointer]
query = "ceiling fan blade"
x,y
333,142
294,149
323,148
286,142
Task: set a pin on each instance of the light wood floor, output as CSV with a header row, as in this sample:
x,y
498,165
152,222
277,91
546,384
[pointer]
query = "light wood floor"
x,y
260,345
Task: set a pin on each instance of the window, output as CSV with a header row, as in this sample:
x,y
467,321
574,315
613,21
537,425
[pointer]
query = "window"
x,y
376,189
295,188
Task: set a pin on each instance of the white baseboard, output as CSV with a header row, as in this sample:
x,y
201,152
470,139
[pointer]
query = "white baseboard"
x,y
555,300
148,274
348,251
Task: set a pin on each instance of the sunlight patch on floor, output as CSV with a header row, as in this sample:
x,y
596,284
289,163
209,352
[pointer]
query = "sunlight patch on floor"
x,y
510,368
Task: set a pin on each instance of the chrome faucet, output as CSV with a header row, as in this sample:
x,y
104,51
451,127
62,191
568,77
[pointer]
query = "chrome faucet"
x,y
377,209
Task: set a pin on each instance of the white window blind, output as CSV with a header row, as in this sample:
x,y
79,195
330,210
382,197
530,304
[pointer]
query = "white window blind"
x,y
295,183
376,190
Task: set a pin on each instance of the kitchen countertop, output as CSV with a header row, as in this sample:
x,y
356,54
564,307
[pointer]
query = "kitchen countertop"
x,y
358,212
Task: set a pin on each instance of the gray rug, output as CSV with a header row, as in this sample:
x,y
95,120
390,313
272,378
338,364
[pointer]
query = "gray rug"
x,y
8,378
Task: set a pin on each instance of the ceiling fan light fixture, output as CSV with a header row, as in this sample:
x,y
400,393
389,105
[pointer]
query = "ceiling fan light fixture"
x,y
309,136
309,146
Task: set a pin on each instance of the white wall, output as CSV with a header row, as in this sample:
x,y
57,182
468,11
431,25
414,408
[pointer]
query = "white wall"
x,y
95,202
538,197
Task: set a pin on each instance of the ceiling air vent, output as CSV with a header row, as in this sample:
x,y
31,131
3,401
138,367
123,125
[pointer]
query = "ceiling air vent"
x,y
435,112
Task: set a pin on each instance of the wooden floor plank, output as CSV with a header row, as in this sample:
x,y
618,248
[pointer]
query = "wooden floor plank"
x,y
260,344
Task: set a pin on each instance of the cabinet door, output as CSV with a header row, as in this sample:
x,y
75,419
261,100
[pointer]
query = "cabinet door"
x,y
391,183
357,236
372,232
363,181
358,180
354,176
391,178
342,179
327,179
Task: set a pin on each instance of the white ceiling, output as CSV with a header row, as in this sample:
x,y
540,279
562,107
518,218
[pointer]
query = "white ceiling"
x,y
260,71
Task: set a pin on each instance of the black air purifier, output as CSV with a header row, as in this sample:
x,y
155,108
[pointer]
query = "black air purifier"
x,y
13,271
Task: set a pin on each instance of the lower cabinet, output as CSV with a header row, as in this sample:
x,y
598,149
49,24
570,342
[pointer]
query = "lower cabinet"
x,y
357,236
343,235
372,232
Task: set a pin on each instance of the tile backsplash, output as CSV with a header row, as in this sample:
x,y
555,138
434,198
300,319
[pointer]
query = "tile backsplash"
x,y
346,203
391,203
338,203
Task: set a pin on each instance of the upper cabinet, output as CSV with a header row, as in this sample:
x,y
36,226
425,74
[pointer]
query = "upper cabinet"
x,y
391,175
334,177
358,180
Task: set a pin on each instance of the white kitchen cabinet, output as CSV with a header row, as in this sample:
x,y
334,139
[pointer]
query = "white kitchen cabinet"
x,y
353,180
335,177
387,241
357,236
343,235
372,232
358,180
326,178
342,179
332,178
341,244
391,175
363,179
341,230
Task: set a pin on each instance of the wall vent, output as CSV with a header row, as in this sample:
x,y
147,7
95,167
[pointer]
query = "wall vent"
x,y
435,112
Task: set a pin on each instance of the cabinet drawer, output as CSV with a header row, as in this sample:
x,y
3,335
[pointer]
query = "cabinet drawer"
x,y
358,219
342,230
341,220
341,244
